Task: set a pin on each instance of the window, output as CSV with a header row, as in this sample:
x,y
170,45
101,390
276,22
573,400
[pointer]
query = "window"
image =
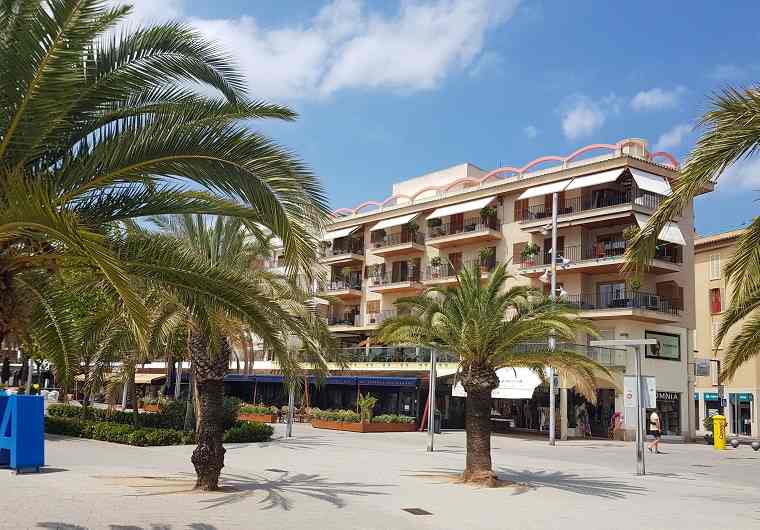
x,y
715,301
668,347
611,294
714,329
715,267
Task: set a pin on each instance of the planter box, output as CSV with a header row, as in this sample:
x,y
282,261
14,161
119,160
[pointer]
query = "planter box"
x,y
152,407
261,418
363,427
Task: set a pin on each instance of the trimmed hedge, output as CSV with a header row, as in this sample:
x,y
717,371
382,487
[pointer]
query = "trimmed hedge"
x,y
349,416
259,409
248,431
392,418
116,432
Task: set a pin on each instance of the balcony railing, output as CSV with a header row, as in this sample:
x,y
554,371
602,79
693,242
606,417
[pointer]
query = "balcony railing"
x,y
400,354
391,240
472,225
584,203
449,270
622,300
412,274
341,285
343,249
347,319
607,357
598,251
379,316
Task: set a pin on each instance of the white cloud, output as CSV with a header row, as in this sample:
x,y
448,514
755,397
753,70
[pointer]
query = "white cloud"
x,y
731,72
349,46
673,137
151,11
743,175
582,117
657,98
530,131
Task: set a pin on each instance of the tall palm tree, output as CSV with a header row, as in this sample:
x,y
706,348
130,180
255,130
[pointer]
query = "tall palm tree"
x,y
284,316
731,133
485,324
99,127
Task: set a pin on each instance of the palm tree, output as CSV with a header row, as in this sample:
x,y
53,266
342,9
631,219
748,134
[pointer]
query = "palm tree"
x,y
283,315
486,325
732,132
98,128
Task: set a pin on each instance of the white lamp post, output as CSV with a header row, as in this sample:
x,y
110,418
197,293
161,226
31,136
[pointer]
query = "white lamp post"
x,y
635,345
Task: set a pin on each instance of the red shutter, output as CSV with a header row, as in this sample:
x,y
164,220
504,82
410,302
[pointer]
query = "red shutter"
x,y
715,305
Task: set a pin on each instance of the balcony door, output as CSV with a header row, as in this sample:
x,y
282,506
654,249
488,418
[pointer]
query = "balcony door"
x,y
456,223
400,271
455,261
611,294
548,246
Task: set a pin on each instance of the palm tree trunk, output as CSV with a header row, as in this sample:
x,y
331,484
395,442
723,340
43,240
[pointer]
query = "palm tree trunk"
x,y
208,377
479,384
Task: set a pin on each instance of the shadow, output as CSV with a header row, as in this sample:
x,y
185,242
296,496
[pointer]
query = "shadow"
x,y
274,492
301,442
602,487
669,475
152,526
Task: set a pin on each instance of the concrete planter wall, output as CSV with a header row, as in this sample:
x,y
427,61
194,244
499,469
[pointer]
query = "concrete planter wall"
x,y
261,418
363,427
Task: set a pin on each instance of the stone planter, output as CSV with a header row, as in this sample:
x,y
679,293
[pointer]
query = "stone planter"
x,y
151,407
261,418
363,427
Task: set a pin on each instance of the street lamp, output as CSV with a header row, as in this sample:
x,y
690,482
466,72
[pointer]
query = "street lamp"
x,y
635,345
431,400
552,337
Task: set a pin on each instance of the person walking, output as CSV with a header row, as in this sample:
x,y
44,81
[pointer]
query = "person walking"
x,y
654,428
5,371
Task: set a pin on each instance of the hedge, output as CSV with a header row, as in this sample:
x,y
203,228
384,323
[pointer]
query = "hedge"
x,y
259,409
393,418
349,416
248,431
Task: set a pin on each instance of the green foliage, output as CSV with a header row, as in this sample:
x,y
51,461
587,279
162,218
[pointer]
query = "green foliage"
x,y
115,432
258,409
393,418
435,261
487,212
486,253
345,416
366,403
230,411
248,431
530,250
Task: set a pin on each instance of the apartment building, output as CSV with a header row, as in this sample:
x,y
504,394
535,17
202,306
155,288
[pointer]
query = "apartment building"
x,y
433,225
712,296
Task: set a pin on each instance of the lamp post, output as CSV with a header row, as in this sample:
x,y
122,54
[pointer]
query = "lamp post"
x,y
431,401
552,337
635,345
291,404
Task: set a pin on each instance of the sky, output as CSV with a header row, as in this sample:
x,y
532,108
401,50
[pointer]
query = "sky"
x,y
388,90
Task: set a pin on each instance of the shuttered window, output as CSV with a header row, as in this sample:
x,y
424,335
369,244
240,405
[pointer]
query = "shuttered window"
x,y
715,267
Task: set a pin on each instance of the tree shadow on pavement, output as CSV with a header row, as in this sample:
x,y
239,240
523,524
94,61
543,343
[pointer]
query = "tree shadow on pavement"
x,y
152,526
603,487
301,442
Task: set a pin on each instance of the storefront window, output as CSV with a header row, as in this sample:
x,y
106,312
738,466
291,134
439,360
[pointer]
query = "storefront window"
x,y
669,346
669,410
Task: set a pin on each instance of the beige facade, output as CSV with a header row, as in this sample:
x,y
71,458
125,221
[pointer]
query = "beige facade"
x,y
712,296
398,249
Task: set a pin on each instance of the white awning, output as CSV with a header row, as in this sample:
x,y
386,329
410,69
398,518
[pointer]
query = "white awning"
x,y
514,383
335,234
670,232
597,178
394,221
461,207
544,189
651,182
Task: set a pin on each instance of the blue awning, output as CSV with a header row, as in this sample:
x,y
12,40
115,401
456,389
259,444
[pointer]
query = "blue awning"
x,y
388,381
331,380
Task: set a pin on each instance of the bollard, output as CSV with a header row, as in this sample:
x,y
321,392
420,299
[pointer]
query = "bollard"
x,y
719,432
755,446
734,442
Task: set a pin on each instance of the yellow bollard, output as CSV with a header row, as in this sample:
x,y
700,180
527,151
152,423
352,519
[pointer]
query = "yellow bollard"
x,y
719,431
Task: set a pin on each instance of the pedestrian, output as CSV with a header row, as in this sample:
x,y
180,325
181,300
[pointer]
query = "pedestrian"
x,y
655,429
5,371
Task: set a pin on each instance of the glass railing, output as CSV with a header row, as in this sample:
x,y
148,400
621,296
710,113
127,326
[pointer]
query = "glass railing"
x,y
601,250
449,270
347,319
473,225
412,274
345,249
340,285
395,354
622,300
607,357
390,240
592,202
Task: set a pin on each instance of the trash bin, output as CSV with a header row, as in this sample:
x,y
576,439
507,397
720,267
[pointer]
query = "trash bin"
x,y
719,431
437,422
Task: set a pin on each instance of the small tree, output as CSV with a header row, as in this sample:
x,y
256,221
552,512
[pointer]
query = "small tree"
x,y
366,403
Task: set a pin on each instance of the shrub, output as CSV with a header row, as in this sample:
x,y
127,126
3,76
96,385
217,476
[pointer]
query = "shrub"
x,y
116,432
258,409
346,416
393,418
248,431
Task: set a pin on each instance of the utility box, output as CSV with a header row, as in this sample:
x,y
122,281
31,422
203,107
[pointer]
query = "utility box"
x,y
719,432
22,432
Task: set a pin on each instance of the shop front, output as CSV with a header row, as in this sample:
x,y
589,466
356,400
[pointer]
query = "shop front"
x,y
741,413
669,410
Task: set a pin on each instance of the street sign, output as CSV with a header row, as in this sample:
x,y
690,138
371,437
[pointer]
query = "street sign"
x,y
702,367
648,400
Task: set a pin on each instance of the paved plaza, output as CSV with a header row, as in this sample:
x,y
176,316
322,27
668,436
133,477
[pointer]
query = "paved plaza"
x,y
326,479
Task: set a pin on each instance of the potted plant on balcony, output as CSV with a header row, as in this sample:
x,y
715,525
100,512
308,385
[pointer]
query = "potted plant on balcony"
x,y
435,266
529,254
413,228
435,227
487,214
345,274
380,238
375,272
486,259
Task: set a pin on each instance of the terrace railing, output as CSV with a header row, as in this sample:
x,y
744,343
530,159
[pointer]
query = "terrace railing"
x,y
627,299
471,225
585,203
597,252
391,240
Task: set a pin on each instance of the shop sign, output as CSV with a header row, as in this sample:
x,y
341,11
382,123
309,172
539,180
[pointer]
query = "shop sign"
x,y
743,396
667,396
702,367
514,383
648,400
711,396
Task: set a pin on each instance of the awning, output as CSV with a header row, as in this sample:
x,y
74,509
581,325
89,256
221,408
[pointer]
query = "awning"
x,y
330,380
544,189
461,207
670,232
335,234
514,383
597,178
315,300
394,221
650,182
140,379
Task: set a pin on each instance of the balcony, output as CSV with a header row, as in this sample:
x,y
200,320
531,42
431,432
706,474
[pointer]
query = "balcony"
x,y
635,305
446,273
399,354
408,280
607,357
346,321
345,253
473,230
399,244
601,257
590,207
342,289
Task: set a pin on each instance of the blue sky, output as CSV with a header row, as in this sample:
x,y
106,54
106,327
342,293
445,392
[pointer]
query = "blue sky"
x,y
389,90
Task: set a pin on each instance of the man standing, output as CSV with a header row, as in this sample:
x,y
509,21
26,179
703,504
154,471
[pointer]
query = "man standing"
x,y
5,371
654,427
